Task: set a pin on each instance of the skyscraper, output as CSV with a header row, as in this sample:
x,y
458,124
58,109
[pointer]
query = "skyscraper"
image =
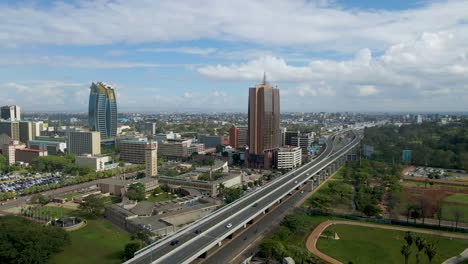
x,y
264,118
11,112
103,110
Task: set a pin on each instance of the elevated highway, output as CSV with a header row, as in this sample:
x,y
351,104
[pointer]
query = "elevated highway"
x,y
196,239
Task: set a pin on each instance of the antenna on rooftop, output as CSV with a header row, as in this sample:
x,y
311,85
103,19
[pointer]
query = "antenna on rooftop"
x,y
264,78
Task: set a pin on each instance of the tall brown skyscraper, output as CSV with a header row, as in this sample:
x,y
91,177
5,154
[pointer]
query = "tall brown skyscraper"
x,y
264,118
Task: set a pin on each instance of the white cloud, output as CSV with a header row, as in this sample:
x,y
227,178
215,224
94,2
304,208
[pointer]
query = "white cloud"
x,y
428,65
185,50
317,24
78,62
367,90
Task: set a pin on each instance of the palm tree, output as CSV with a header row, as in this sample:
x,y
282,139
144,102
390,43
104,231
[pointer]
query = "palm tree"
x,y
420,244
406,252
431,251
409,238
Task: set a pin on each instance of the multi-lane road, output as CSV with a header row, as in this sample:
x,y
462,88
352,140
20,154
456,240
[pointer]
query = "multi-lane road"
x,y
195,239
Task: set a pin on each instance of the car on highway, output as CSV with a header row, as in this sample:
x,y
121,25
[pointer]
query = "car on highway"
x,y
255,205
302,191
198,231
229,225
295,181
174,242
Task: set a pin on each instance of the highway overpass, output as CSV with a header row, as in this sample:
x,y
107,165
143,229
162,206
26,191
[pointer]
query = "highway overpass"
x,y
212,230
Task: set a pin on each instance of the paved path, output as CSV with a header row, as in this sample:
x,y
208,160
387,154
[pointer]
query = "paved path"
x,y
457,259
311,243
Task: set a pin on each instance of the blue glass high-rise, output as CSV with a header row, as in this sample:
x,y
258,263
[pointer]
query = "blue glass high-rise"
x,y
102,115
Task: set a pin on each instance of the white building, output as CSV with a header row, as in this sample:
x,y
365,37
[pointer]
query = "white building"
x,y
288,157
151,159
96,163
161,137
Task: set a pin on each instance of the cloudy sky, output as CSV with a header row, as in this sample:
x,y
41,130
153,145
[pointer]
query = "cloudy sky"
x,y
202,55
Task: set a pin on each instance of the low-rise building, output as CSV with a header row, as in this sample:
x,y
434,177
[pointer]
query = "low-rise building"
x,y
96,163
9,151
27,155
287,157
175,149
52,147
117,186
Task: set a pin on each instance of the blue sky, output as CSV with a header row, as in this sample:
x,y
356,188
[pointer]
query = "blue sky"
x,y
203,55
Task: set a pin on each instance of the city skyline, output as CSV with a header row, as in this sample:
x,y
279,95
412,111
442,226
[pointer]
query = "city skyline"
x,y
334,56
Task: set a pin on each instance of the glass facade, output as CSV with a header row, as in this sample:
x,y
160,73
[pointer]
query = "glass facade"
x,y
102,115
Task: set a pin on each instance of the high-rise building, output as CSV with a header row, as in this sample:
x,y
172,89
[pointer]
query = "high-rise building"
x,y
242,136
148,129
26,132
133,150
304,141
11,112
80,143
103,110
11,129
288,135
151,159
264,118
233,136
210,141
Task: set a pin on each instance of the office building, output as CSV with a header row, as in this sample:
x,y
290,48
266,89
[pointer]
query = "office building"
x,y
264,118
304,141
102,116
148,129
11,129
175,148
37,127
133,150
161,137
210,141
95,163
52,147
288,157
233,136
27,155
26,132
10,112
288,135
195,147
151,159
9,151
80,143
242,136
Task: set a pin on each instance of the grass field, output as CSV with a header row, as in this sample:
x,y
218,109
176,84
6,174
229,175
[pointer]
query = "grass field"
x,y
455,203
458,198
50,212
161,197
374,245
98,242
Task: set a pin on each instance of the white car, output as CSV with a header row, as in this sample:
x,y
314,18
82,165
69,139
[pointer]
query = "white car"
x,y
229,225
295,181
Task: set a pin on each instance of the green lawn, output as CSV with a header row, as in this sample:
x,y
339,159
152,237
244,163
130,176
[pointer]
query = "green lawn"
x,y
374,245
452,204
50,212
161,197
70,196
458,198
98,242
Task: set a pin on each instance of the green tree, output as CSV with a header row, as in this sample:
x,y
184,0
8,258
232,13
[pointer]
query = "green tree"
x,y
431,251
24,241
409,238
3,163
136,191
406,252
92,205
130,249
39,199
420,245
